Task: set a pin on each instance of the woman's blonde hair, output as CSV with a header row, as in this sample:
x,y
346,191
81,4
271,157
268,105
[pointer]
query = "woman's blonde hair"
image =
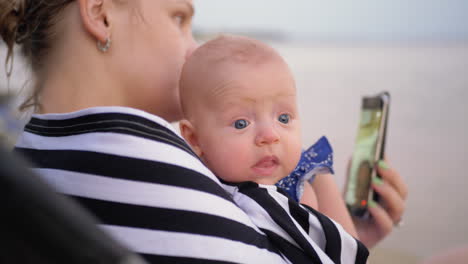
x,y
29,24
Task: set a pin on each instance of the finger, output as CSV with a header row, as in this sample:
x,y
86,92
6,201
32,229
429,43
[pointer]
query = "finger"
x,y
382,220
392,200
393,178
348,168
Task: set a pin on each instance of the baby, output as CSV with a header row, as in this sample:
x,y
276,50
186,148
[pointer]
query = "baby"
x,y
238,97
239,100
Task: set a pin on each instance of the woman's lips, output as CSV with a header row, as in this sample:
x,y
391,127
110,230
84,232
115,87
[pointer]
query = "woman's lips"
x,y
266,166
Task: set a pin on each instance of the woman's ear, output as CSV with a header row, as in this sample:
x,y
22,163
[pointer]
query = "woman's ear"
x,y
188,132
95,17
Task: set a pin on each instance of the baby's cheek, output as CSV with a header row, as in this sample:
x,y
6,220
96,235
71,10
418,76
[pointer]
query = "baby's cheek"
x,y
237,163
294,154
227,162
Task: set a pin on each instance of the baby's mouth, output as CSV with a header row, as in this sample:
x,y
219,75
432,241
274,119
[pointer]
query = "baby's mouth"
x,y
266,166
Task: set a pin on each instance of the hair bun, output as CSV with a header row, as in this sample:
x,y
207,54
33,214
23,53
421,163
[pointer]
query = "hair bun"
x,y
11,15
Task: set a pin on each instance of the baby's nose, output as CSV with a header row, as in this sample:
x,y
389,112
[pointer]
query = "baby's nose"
x,y
267,136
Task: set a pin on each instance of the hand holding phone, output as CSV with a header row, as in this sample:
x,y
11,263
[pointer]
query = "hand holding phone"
x,y
368,150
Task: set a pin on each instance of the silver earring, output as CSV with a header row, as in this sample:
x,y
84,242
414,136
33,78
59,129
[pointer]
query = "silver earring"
x,y
105,47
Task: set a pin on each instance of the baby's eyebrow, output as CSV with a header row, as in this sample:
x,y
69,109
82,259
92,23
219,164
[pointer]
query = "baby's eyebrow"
x,y
250,100
239,101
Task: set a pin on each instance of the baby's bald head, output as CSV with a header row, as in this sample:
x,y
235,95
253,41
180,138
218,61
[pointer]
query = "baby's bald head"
x,y
215,63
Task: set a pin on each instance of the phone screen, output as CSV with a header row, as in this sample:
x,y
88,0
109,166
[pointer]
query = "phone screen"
x,y
367,150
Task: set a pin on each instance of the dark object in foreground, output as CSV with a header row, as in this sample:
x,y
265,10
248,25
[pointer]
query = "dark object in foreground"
x,y
39,225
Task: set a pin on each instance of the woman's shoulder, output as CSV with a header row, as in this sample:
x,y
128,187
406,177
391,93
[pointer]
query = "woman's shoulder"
x,y
113,133
114,144
99,121
100,114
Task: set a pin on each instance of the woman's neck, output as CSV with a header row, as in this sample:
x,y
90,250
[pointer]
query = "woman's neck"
x,y
70,93
77,82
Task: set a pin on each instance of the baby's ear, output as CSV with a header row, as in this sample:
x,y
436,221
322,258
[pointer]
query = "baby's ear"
x,y
188,132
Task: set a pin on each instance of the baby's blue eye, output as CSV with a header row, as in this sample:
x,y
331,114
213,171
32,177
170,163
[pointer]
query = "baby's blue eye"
x,y
284,118
241,124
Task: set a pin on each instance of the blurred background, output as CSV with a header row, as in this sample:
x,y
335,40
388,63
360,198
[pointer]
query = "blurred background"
x,y
341,50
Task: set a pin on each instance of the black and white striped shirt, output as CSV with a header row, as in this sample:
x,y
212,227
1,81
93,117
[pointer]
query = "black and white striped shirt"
x,y
131,170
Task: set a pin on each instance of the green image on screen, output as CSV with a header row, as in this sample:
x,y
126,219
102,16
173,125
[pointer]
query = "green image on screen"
x,y
363,158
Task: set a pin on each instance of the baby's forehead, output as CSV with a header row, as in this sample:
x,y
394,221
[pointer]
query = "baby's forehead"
x,y
224,61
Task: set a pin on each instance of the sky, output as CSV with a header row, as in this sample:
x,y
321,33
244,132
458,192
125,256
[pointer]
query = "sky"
x,y
333,19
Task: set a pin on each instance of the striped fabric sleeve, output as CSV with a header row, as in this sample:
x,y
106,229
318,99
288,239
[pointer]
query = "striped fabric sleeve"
x,y
302,234
340,245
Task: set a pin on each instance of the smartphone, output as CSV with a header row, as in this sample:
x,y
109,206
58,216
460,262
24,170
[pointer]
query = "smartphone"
x,y
368,150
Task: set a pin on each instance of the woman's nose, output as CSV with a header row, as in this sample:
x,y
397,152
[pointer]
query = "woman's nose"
x,y
267,136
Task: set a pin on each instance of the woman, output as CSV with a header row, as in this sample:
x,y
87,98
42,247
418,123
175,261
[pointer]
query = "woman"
x,y
101,133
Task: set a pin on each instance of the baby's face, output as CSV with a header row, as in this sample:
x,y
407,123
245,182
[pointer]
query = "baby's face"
x,y
249,128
